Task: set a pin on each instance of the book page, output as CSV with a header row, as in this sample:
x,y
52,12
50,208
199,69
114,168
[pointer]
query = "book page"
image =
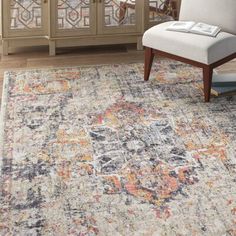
x,y
183,26
205,29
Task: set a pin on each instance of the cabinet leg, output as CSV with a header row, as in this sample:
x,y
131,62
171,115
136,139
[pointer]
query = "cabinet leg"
x,y
139,44
5,49
52,48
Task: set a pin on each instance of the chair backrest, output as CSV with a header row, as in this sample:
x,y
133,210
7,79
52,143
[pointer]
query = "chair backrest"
x,y
216,12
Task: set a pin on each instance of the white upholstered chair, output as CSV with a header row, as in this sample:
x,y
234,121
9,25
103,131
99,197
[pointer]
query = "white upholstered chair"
x,y
198,50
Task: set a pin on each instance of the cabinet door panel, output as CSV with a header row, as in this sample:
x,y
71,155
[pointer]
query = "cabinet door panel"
x,y
24,17
161,11
119,16
73,17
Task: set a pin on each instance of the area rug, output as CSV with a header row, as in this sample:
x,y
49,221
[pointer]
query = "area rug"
x,y
98,151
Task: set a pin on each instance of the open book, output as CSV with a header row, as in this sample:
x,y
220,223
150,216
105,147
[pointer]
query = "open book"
x,y
193,27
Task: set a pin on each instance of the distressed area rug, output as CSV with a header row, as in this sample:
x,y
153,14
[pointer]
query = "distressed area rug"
x,y
98,151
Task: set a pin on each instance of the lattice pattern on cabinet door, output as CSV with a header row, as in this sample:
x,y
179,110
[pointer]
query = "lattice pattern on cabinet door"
x,y
120,12
26,14
160,10
73,14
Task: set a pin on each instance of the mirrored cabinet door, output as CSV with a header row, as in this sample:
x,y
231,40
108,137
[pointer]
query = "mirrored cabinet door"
x,y
119,16
24,17
161,11
66,23
73,17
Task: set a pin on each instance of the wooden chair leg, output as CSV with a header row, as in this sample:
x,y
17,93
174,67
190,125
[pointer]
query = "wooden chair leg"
x,y
149,55
207,81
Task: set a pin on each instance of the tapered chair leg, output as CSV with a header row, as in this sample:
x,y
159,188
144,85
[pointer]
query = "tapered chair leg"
x,y
207,81
149,55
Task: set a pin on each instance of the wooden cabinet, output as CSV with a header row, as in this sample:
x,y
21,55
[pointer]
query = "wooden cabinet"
x,y
62,23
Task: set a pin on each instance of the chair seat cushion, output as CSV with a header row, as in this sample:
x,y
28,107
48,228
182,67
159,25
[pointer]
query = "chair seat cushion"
x,y
195,47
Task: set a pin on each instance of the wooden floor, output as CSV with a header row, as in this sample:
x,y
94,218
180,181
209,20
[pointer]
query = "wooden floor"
x,y
38,58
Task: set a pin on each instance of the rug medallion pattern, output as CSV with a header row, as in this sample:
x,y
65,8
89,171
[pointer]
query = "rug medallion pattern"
x,y
98,151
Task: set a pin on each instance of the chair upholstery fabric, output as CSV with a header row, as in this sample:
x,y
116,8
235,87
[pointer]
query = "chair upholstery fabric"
x,y
204,49
216,12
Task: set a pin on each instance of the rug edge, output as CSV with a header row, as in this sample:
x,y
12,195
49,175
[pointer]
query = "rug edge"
x,y
6,79
32,69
